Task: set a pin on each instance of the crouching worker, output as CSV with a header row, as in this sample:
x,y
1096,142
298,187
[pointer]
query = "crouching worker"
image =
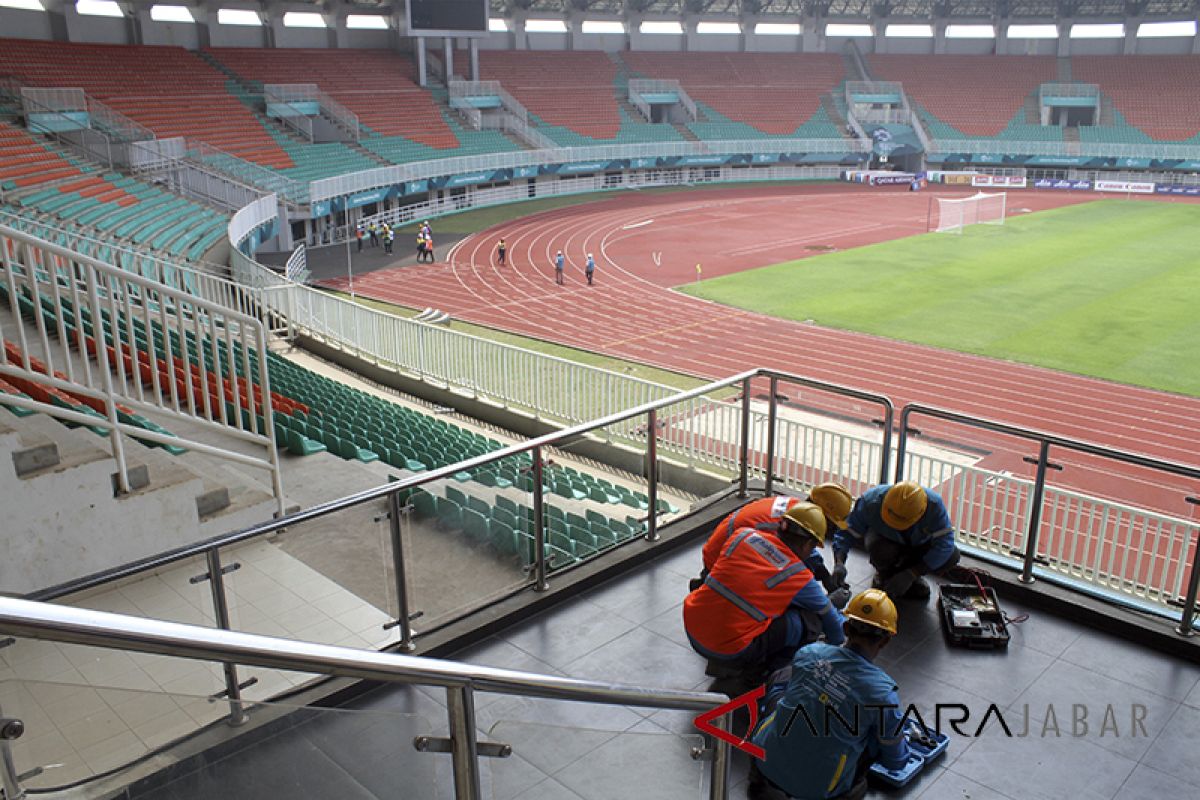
x,y
764,515
748,617
838,714
906,532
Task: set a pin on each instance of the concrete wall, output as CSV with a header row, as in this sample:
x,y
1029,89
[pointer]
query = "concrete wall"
x,y
610,42
1031,47
97,30
365,40
237,35
547,41
664,42
178,34
18,24
1095,47
1168,45
773,44
971,47
893,44
300,37
714,42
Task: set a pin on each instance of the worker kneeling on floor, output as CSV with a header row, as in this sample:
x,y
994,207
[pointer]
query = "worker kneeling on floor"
x,y
748,616
907,533
835,716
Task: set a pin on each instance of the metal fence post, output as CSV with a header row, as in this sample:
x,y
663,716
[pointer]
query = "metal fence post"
x,y
901,445
718,786
216,580
10,779
652,474
1189,603
539,525
772,411
743,480
403,614
460,707
1035,513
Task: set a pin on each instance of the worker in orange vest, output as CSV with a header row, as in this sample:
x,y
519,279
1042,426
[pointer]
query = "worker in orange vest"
x,y
764,514
748,615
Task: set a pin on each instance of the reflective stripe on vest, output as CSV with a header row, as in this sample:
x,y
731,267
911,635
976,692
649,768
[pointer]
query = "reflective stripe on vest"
x,y
784,574
738,541
735,598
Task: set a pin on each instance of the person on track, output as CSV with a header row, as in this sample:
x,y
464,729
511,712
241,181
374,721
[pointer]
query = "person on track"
x,y
559,261
590,269
501,250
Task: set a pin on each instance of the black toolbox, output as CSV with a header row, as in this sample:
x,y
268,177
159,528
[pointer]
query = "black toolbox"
x,y
971,617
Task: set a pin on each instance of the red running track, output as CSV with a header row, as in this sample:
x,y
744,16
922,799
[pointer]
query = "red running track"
x,y
632,313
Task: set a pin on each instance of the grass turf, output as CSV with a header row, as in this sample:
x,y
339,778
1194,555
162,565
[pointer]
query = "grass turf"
x,y
1106,289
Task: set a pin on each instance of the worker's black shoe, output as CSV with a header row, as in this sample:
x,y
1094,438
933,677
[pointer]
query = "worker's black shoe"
x,y
694,584
918,591
759,788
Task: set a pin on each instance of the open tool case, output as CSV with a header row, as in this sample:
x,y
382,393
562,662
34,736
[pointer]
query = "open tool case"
x,y
971,617
923,746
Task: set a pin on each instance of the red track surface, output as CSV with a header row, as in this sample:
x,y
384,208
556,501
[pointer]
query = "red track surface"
x,y
632,313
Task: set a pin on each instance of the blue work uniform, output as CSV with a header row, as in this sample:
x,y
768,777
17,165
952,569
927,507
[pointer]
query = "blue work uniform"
x,y
805,761
933,529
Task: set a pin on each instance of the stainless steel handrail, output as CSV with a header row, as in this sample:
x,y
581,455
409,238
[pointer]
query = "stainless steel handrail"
x,y
530,445
120,632
1045,441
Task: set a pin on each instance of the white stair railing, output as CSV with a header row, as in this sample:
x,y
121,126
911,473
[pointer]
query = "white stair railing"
x,y
104,344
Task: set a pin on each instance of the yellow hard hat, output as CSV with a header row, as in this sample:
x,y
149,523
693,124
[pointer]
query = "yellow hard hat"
x,y
904,504
834,500
810,518
873,607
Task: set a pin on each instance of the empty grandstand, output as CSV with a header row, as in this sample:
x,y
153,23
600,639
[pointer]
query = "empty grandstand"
x,y
247,515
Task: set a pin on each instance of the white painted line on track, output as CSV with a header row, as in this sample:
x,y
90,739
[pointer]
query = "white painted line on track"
x,y
633,225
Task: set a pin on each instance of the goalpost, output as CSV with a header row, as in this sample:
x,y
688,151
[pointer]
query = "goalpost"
x,y
955,213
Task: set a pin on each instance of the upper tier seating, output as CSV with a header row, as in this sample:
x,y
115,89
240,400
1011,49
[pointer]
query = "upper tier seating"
x,y
167,89
377,85
773,93
566,90
976,95
1159,95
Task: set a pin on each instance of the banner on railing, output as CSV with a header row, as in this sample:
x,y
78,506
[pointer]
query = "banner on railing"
x,y
1174,188
999,181
1130,187
1062,183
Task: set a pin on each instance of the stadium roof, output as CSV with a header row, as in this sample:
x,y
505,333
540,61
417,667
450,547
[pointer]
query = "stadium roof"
x,y
863,9
855,9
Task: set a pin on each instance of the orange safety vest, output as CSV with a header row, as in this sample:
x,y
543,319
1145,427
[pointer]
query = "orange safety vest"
x,y
752,583
763,515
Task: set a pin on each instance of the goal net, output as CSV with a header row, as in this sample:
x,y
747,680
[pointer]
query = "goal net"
x,y
955,213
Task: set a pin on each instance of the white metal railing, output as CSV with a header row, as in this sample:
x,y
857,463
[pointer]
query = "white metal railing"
x,y
155,349
204,280
1184,152
460,90
665,176
338,186
1089,90
116,124
1140,556
288,93
261,178
641,86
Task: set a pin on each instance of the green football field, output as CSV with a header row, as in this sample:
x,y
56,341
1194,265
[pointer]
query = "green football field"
x,y
1110,289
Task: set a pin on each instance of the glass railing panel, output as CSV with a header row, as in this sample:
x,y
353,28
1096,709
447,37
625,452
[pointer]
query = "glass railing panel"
x,y
328,580
175,592
554,761
118,738
467,540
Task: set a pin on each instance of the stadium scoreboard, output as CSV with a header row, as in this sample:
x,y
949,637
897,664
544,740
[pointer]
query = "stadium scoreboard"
x,y
447,17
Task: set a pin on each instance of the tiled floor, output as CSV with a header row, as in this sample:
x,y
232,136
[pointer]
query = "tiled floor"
x,y
630,631
87,710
